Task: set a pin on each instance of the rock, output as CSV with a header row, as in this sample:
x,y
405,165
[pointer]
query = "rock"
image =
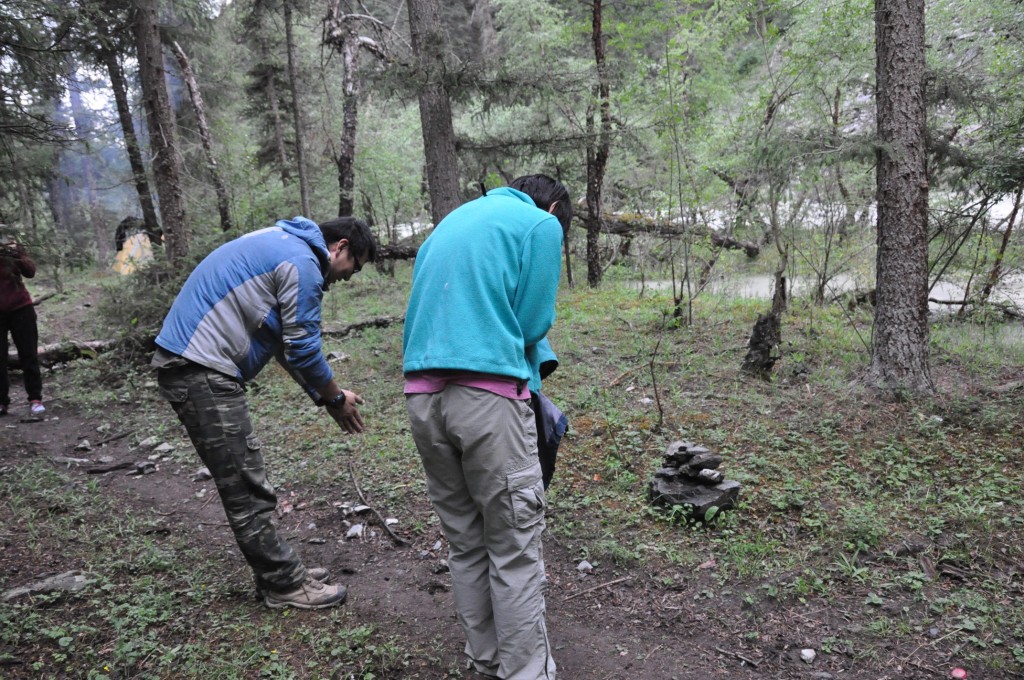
x,y
710,476
164,448
390,521
704,461
808,655
106,460
146,467
585,567
355,531
316,541
148,442
442,567
701,497
202,474
337,356
83,445
69,581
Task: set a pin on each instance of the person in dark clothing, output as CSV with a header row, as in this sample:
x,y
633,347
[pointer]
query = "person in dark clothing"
x,y
18,320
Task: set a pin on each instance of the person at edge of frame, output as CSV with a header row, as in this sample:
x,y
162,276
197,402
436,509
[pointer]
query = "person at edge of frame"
x,y
18,320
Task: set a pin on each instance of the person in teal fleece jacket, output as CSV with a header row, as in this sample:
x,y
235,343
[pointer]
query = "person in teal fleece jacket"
x,y
482,302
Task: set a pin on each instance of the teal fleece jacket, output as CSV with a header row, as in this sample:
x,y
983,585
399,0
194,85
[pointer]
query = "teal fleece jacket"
x,y
483,289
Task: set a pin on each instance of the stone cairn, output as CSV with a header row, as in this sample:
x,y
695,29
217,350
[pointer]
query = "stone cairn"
x,y
689,476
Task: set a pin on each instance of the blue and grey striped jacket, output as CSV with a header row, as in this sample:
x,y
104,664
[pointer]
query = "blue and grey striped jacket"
x,y
251,299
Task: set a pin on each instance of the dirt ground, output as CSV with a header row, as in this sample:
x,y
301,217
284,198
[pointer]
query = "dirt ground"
x,y
611,623
607,624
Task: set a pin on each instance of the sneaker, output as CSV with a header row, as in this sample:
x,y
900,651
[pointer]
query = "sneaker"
x,y
312,594
37,407
316,573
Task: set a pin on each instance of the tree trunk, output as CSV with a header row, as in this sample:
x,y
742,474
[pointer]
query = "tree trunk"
x,y
899,354
341,35
87,178
442,164
196,98
997,266
275,119
597,150
481,26
293,83
131,144
167,163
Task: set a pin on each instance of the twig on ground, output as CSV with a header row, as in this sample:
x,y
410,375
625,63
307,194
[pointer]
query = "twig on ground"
x,y
603,585
112,438
739,656
103,469
401,542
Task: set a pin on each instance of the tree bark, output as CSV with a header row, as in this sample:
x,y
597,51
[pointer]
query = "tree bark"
x,y
899,353
275,115
167,163
442,164
597,149
196,97
293,83
997,267
131,143
342,37
87,183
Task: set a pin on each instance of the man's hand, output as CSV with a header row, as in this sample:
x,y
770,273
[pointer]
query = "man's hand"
x,y
347,415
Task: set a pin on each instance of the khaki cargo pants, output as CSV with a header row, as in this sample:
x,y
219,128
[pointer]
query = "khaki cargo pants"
x,y
479,452
214,411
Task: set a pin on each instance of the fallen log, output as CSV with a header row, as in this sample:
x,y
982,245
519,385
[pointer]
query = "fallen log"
x,y
624,224
61,352
396,251
379,322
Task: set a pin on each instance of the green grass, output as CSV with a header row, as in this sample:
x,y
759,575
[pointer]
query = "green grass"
x,y
837,481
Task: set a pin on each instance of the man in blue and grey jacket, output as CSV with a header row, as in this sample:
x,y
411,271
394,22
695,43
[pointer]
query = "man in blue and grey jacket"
x,y
482,302
252,299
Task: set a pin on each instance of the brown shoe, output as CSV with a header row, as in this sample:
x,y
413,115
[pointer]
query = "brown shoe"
x,y
315,573
312,594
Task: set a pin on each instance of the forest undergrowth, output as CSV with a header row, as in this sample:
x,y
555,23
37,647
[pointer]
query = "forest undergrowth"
x,y
896,520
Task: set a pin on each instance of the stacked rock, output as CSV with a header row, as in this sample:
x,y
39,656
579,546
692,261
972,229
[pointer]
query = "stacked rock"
x,y
690,476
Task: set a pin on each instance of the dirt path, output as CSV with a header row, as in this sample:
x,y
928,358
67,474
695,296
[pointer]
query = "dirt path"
x,y
625,629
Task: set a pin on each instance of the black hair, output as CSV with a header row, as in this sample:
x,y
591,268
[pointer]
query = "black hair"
x,y
356,232
544,191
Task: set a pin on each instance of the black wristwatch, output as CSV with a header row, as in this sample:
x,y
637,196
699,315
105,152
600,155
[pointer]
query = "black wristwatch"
x,y
337,402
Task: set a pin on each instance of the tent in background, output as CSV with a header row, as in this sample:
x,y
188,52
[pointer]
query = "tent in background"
x,y
135,251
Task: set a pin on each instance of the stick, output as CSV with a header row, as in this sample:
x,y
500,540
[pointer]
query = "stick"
x,y
112,438
401,542
739,656
603,585
109,468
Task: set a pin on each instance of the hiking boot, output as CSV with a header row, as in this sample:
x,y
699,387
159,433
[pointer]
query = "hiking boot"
x,y
312,594
37,407
317,573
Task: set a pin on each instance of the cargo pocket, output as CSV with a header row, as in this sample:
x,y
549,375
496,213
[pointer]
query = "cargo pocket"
x,y
527,492
223,386
175,394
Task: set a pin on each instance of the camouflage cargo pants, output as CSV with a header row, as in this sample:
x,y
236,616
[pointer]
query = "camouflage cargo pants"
x,y
214,411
